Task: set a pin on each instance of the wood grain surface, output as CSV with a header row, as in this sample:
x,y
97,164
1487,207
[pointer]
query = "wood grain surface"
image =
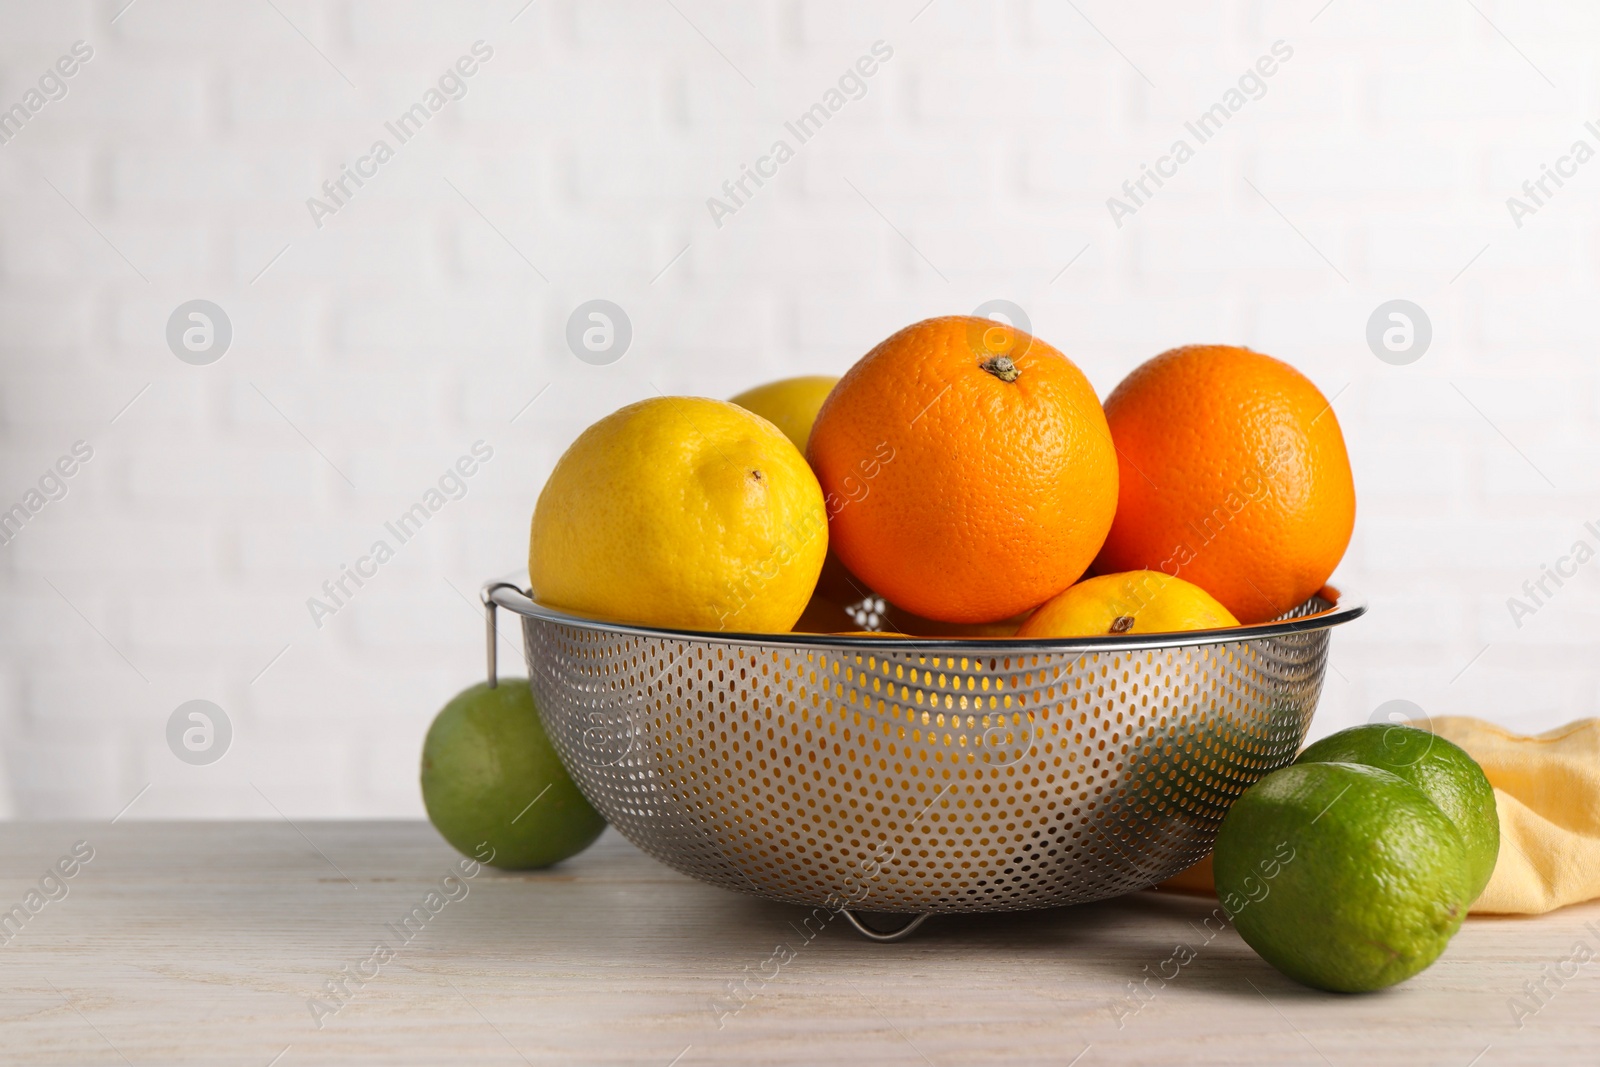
x,y
214,943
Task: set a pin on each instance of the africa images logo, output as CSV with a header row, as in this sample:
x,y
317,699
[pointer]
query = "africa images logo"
x,y
852,85
451,85
1203,128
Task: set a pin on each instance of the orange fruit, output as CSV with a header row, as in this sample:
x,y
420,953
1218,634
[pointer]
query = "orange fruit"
x,y
967,469
1138,602
1234,477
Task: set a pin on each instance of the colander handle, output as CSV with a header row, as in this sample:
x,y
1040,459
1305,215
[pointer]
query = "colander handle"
x,y
884,935
486,594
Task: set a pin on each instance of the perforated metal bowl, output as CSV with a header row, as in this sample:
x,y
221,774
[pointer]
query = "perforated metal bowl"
x,y
922,775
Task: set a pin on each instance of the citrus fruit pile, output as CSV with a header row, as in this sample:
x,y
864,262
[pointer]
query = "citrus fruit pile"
x,y
962,478
1351,869
964,474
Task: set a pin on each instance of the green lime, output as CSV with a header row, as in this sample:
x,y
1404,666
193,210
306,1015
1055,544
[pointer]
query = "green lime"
x,y
1451,778
1341,876
491,781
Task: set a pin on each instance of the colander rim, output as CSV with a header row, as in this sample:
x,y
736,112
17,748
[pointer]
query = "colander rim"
x,y
1344,605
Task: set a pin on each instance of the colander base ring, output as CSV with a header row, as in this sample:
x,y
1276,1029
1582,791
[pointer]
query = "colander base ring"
x,y
884,936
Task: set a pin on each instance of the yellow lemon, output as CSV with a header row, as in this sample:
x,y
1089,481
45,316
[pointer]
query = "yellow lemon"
x,y
790,404
1134,602
680,512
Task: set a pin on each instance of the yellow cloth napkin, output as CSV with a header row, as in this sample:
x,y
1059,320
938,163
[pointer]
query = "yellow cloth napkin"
x,y
1547,792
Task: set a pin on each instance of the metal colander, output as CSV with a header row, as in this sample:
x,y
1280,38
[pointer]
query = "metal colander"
x,y
922,775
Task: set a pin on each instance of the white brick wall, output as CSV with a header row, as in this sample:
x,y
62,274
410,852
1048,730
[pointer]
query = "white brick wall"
x,y
178,565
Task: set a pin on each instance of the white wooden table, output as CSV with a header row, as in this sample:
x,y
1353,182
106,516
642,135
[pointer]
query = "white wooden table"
x,y
205,943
